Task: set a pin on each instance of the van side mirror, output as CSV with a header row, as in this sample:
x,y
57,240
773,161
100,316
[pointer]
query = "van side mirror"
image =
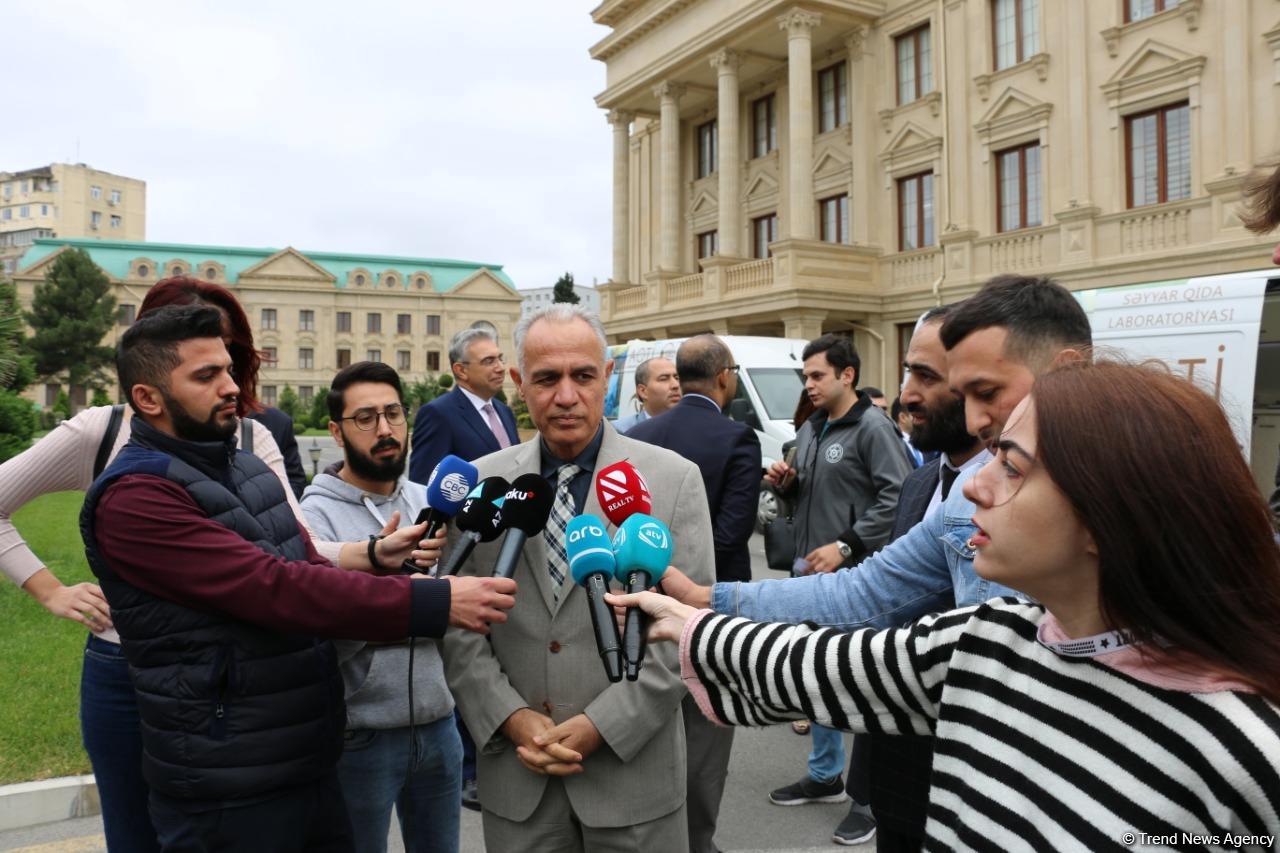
x,y
742,411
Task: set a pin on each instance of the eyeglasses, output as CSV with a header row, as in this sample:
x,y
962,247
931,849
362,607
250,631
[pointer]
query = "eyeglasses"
x,y
367,419
489,360
734,367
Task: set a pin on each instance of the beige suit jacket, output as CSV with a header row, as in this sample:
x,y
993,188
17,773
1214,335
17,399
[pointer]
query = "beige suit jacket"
x,y
544,657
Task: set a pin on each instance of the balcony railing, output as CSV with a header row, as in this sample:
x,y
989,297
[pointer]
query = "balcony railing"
x,y
684,289
1155,231
635,299
753,275
1017,251
916,269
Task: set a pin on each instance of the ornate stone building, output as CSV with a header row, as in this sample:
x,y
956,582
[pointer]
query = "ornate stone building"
x,y
791,168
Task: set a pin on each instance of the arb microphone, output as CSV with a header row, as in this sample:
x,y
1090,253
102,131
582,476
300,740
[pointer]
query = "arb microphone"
x,y
591,564
451,481
525,509
641,551
479,520
622,492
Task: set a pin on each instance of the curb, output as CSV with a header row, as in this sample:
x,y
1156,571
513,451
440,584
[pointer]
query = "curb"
x,y
48,801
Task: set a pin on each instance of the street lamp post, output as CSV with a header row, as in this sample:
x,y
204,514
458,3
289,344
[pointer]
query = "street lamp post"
x,y
314,451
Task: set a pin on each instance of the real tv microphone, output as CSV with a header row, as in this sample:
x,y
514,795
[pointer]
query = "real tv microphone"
x,y
591,564
451,481
479,520
525,509
642,551
622,491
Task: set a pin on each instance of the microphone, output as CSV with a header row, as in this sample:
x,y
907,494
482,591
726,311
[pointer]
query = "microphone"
x,y
591,564
525,509
479,520
450,482
622,491
642,551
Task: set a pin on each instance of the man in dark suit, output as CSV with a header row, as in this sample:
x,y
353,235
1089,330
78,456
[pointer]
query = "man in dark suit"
x,y
728,455
281,427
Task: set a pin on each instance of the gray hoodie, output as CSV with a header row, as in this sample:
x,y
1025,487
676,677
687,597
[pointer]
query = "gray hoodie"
x,y
377,676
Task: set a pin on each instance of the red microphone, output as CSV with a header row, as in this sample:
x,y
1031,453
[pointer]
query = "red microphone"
x,y
622,492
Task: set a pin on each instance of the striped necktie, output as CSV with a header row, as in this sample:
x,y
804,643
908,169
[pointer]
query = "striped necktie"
x,y
554,533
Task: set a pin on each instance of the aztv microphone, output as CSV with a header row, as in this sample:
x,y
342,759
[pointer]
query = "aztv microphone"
x,y
479,520
642,551
622,491
451,481
591,564
525,509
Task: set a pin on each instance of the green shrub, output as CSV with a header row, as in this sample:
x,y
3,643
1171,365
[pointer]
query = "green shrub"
x,y
17,424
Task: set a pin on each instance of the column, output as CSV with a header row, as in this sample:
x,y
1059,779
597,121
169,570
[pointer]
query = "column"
x,y
621,122
861,98
730,226
799,25
669,94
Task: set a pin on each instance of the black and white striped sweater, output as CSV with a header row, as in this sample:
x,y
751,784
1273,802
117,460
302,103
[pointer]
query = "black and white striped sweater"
x,y
1033,750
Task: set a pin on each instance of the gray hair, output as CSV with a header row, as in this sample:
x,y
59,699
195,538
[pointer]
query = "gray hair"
x,y
560,312
459,343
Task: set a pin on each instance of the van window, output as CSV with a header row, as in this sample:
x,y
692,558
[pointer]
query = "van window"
x,y
778,389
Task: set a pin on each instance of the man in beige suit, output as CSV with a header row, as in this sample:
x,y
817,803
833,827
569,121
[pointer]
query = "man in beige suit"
x,y
568,761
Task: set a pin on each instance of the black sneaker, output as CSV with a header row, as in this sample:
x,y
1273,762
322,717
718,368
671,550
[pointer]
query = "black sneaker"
x,y
470,795
858,826
809,790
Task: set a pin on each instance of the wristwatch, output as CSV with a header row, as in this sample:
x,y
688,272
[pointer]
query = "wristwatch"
x,y
845,550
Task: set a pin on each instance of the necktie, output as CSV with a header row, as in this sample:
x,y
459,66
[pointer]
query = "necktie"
x,y
948,480
494,424
554,533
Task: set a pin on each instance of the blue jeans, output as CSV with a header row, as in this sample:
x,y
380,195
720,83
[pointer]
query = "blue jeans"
x,y
827,758
112,737
377,770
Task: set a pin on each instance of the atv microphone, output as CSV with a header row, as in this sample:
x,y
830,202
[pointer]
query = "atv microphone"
x,y
642,551
622,491
525,509
451,481
591,564
479,520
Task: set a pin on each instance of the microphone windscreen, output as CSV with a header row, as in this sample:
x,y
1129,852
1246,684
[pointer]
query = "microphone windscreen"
x,y
588,547
622,491
451,481
642,544
527,504
482,510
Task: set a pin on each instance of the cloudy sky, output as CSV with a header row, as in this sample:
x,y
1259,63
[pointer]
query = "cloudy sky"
x,y
461,129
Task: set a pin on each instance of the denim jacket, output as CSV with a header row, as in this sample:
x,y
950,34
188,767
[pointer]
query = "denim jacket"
x,y
912,577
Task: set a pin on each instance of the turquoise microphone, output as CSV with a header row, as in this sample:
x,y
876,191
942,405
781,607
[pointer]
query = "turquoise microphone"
x,y
591,564
641,552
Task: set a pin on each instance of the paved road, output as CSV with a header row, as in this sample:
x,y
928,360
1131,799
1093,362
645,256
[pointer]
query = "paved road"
x,y
763,759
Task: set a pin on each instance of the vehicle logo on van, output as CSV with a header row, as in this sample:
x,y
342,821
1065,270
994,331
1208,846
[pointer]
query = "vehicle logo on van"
x,y
835,453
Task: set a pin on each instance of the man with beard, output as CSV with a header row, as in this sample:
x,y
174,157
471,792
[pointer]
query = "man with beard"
x,y
395,752
220,603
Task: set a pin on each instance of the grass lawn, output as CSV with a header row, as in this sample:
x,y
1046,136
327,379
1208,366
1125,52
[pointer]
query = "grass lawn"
x,y
40,655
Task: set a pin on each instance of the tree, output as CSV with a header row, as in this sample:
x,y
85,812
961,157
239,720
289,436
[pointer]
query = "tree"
x,y
10,331
17,424
71,311
17,416
319,417
564,290
288,402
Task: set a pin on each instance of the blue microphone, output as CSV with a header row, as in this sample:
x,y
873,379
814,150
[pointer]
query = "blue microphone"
x,y
591,564
642,551
450,482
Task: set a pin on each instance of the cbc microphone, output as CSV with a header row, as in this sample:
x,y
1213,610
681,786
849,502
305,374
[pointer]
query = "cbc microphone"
x,y
479,520
450,482
591,564
622,491
525,509
642,551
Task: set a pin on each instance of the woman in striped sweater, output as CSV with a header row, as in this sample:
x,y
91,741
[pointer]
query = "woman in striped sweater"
x,y
1136,705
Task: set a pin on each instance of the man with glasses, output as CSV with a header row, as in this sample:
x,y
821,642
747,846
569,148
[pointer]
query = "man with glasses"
x,y
394,752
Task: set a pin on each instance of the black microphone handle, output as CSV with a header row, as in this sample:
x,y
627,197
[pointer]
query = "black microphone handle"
x,y
607,641
434,518
637,625
467,543
514,541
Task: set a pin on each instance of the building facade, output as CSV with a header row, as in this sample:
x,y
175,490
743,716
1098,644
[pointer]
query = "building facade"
x,y
787,168
312,313
541,297
66,200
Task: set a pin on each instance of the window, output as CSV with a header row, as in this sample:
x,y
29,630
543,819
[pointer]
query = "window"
x,y
306,358
270,357
344,358
177,270
24,212
389,280
126,314
95,192
1016,31
115,221
143,271
708,145
764,230
1158,150
115,196
1018,184
433,360
402,359
404,324
95,220
44,210
915,212
433,324
764,121
344,321
269,395
373,355
1136,10
306,393
833,219
359,279
51,393
211,273
306,320
915,65
833,102
708,243
268,319
8,213
373,324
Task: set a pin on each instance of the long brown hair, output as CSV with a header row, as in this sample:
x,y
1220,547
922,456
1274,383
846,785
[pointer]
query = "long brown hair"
x,y
1188,562
245,359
